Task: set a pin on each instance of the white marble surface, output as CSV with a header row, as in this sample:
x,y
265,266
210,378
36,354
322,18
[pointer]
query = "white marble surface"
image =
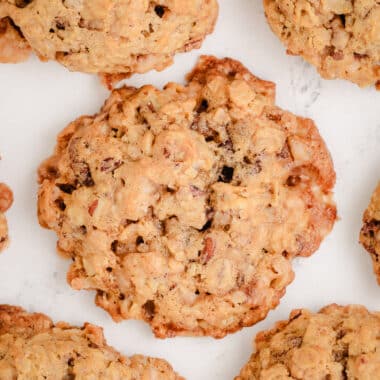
x,y
37,100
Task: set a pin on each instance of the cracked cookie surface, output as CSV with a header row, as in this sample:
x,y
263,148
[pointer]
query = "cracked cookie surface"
x,y
111,37
184,206
341,38
370,232
33,347
6,200
337,343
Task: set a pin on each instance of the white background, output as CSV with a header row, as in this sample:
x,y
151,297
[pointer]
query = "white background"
x,y
37,100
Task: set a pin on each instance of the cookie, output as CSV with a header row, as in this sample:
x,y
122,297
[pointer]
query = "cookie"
x,y
184,206
33,347
13,46
337,343
6,200
112,37
341,38
370,232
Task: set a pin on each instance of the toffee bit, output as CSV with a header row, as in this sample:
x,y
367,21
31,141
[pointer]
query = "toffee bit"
x,y
208,251
93,206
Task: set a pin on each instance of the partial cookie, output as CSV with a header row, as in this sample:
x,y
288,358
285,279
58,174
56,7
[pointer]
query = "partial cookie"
x,y
370,232
13,46
337,343
341,38
6,200
184,207
112,37
33,347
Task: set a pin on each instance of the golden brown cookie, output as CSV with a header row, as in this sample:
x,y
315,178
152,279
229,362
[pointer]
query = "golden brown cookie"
x,y
184,206
6,200
13,46
337,343
111,36
33,347
341,38
370,232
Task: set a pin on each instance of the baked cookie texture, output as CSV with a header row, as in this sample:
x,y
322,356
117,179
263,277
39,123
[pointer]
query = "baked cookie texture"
x,y
6,200
184,206
341,38
370,232
33,347
108,36
13,46
337,343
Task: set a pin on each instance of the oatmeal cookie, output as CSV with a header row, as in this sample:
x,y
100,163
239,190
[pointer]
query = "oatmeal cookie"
x,y
341,38
114,37
337,343
184,206
33,347
370,232
6,200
